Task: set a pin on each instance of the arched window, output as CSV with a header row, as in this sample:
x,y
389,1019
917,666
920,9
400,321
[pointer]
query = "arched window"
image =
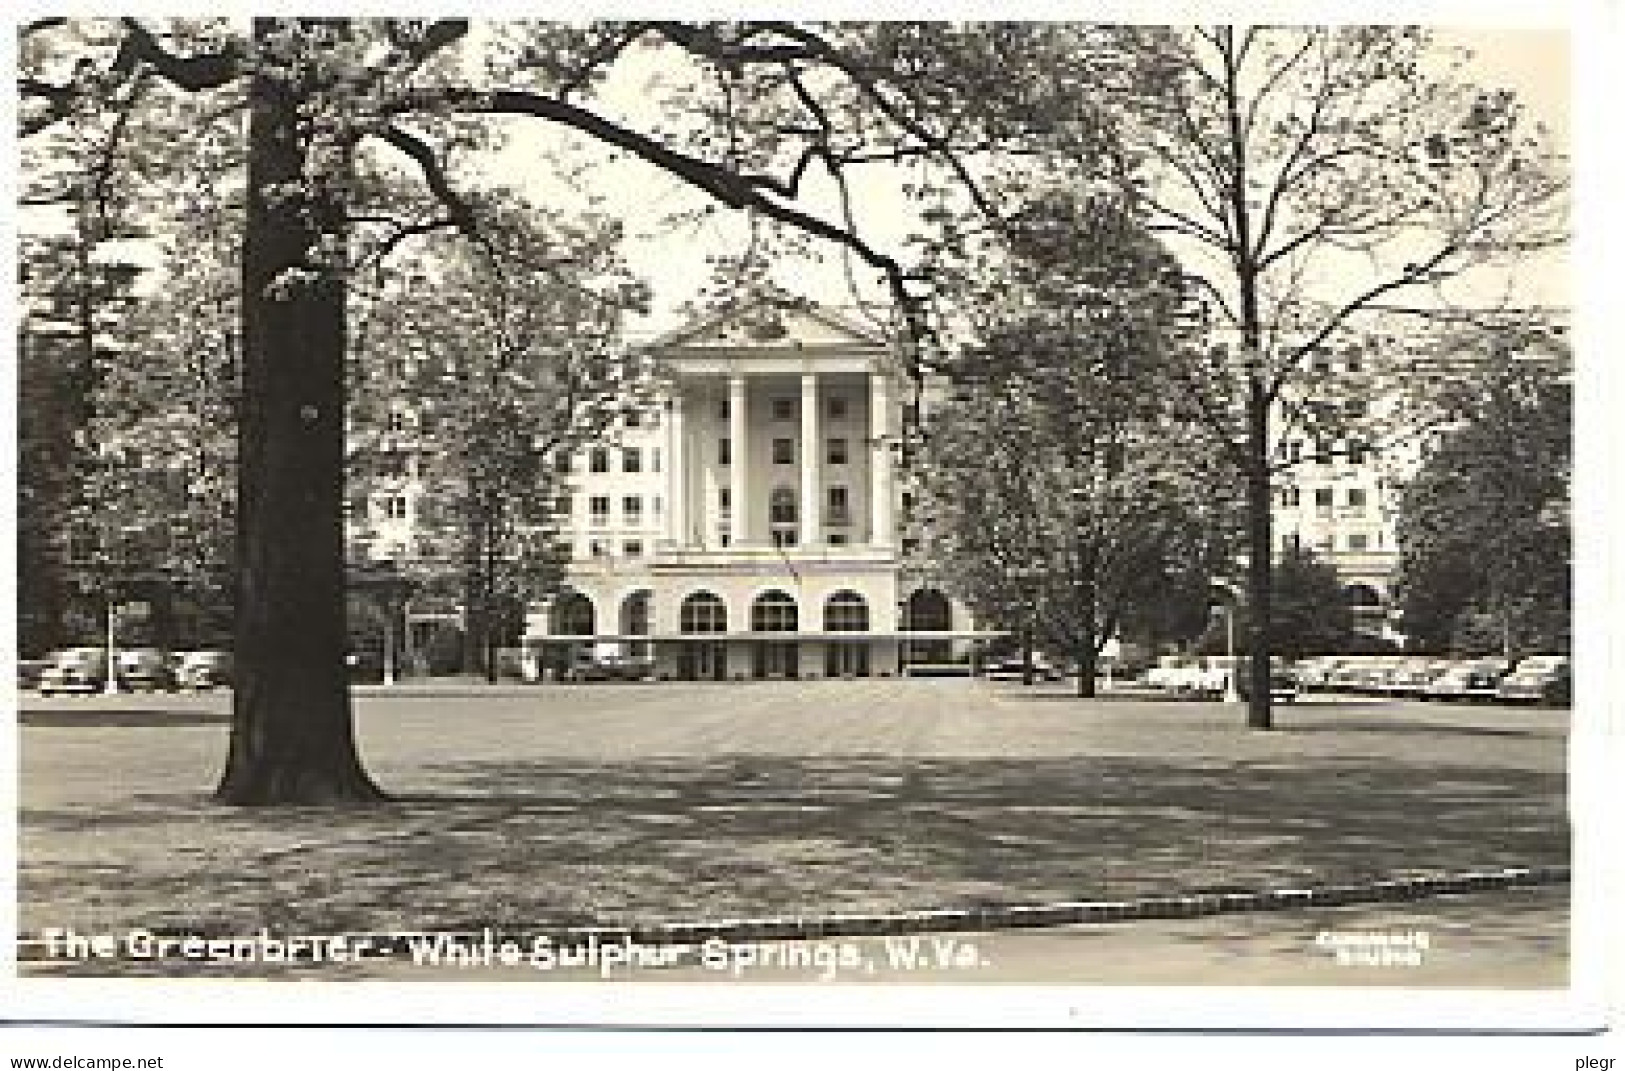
x,y
572,615
845,611
927,611
781,506
702,612
635,614
773,611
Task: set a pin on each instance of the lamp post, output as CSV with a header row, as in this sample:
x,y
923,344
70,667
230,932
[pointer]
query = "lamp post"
x,y
110,684
1232,693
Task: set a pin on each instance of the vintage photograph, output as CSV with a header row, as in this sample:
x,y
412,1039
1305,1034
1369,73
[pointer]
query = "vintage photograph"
x,y
794,504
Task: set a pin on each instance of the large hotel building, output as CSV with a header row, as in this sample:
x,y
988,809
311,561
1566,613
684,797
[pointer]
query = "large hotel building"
x,y
748,527
748,524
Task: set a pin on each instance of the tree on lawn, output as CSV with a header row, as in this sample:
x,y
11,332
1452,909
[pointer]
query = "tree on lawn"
x,y
1061,483
787,99
1484,528
1306,177
1310,613
499,360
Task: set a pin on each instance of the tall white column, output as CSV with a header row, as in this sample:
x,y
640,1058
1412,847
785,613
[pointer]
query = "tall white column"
x,y
811,491
739,503
880,463
677,473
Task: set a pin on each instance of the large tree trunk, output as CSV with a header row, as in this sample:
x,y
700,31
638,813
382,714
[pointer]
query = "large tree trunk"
x,y
292,739
1259,561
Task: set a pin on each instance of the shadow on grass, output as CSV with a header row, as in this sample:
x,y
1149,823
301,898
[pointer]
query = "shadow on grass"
x,y
579,842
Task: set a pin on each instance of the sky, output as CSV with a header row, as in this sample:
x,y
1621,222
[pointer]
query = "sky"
x,y
1533,62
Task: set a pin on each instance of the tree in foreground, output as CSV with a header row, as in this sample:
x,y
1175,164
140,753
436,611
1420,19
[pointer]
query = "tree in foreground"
x,y
1307,178
765,104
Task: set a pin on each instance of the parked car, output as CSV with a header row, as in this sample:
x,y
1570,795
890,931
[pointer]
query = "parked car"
x,y
144,669
1313,674
1284,685
611,662
1544,679
1413,676
202,670
75,669
1470,679
1012,668
29,671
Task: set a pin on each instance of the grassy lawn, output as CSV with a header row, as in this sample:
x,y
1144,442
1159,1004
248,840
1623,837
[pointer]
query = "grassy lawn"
x,y
632,803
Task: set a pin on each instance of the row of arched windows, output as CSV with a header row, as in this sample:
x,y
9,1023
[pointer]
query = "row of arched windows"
x,y
704,613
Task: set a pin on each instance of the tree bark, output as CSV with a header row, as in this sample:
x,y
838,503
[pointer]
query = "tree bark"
x,y
292,738
1259,572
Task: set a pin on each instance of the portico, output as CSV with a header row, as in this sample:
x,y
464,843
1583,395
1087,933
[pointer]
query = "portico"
x,y
778,551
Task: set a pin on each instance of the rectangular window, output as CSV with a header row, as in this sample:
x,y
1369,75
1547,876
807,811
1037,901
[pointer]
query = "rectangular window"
x,y
395,507
1289,497
784,451
632,548
784,537
837,408
784,408
600,459
561,463
837,539
1357,453
397,420
632,418
355,509
599,507
1358,541
631,459
1323,498
1294,452
725,453
1357,499
722,409
654,459
724,501
632,507
838,506
563,506
836,454
598,548
911,545
655,505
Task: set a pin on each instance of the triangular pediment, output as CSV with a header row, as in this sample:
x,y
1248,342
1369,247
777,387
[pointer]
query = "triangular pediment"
x,y
789,325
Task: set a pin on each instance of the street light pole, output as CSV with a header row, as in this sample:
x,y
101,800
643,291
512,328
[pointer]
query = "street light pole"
x,y
1232,694
110,685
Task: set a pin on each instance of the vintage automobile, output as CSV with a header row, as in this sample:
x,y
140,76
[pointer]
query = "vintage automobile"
x,y
1011,668
1284,685
1544,679
200,671
1412,676
611,662
143,669
80,670
1468,679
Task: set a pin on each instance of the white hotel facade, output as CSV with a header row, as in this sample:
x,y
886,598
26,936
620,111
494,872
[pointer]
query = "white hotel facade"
x,y
748,526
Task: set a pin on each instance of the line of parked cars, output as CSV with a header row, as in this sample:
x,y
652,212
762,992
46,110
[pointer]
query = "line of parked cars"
x,y
1542,679
83,671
